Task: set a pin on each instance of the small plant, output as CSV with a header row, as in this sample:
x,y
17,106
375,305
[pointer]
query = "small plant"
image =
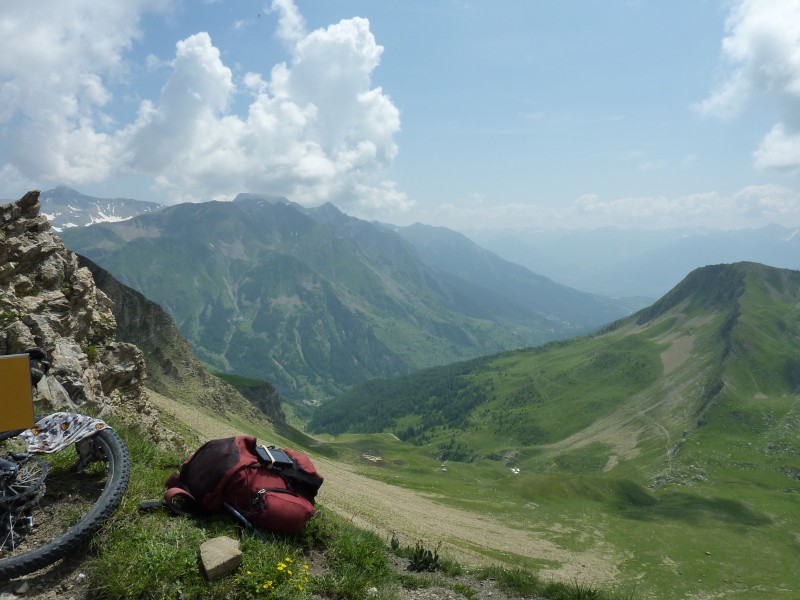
x,y
357,562
282,580
34,290
424,560
7,317
91,353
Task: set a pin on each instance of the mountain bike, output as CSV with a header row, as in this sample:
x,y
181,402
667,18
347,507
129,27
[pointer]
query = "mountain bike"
x,y
52,503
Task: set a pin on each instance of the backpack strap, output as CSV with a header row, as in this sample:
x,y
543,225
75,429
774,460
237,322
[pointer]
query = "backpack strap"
x,y
176,500
180,501
302,476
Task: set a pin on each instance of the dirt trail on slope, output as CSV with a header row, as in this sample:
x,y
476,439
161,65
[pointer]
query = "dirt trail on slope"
x,y
384,509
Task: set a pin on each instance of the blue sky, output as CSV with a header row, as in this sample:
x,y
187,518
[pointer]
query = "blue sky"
x,y
467,114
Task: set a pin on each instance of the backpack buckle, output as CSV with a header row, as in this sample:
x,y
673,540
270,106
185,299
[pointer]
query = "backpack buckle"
x,y
257,500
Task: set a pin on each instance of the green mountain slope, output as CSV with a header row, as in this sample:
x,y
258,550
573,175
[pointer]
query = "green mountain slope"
x,y
480,283
716,357
668,443
172,369
456,254
313,301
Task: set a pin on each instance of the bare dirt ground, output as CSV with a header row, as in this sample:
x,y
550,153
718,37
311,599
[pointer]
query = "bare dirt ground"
x,y
387,509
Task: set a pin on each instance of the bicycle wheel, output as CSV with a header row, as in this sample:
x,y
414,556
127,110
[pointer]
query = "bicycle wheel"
x,y
73,507
27,483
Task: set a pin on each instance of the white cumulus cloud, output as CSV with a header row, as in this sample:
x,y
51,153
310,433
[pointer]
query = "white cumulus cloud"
x,y
751,206
779,150
55,66
315,128
761,56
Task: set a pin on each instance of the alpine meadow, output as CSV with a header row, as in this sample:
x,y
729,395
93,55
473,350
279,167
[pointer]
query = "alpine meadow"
x,y
656,457
500,300
667,442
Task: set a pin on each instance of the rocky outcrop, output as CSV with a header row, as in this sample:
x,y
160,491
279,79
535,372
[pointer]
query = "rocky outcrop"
x,y
268,400
47,300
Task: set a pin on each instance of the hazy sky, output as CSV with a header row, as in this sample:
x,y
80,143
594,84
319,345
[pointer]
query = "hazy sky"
x,y
468,114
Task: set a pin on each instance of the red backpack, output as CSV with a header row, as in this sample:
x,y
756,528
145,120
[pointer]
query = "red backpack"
x,y
228,473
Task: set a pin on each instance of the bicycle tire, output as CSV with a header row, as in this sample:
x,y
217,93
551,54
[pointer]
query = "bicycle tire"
x,y
9,434
116,483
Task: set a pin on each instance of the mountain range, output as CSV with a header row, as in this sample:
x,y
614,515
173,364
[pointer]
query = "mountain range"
x,y
629,262
315,301
419,295
658,455
638,264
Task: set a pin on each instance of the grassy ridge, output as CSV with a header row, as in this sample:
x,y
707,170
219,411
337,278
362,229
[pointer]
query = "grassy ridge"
x,y
517,400
660,373
669,441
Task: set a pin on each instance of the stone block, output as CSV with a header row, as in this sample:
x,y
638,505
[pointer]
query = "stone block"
x,y
220,556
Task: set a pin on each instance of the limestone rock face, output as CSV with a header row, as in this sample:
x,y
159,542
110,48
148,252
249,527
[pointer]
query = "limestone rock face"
x,y
47,300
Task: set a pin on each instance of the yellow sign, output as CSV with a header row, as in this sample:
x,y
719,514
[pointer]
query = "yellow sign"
x,y
16,397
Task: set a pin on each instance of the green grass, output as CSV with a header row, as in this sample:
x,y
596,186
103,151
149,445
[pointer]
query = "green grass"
x,y
728,525
525,583
732,531
160,552
331,558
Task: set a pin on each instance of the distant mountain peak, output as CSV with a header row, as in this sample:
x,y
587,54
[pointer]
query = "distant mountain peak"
x,y
713,287
63,189
255,198
65,207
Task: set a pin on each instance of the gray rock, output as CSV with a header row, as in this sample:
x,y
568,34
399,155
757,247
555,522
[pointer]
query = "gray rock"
x,y
48,301
29,200
18,337
22,587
